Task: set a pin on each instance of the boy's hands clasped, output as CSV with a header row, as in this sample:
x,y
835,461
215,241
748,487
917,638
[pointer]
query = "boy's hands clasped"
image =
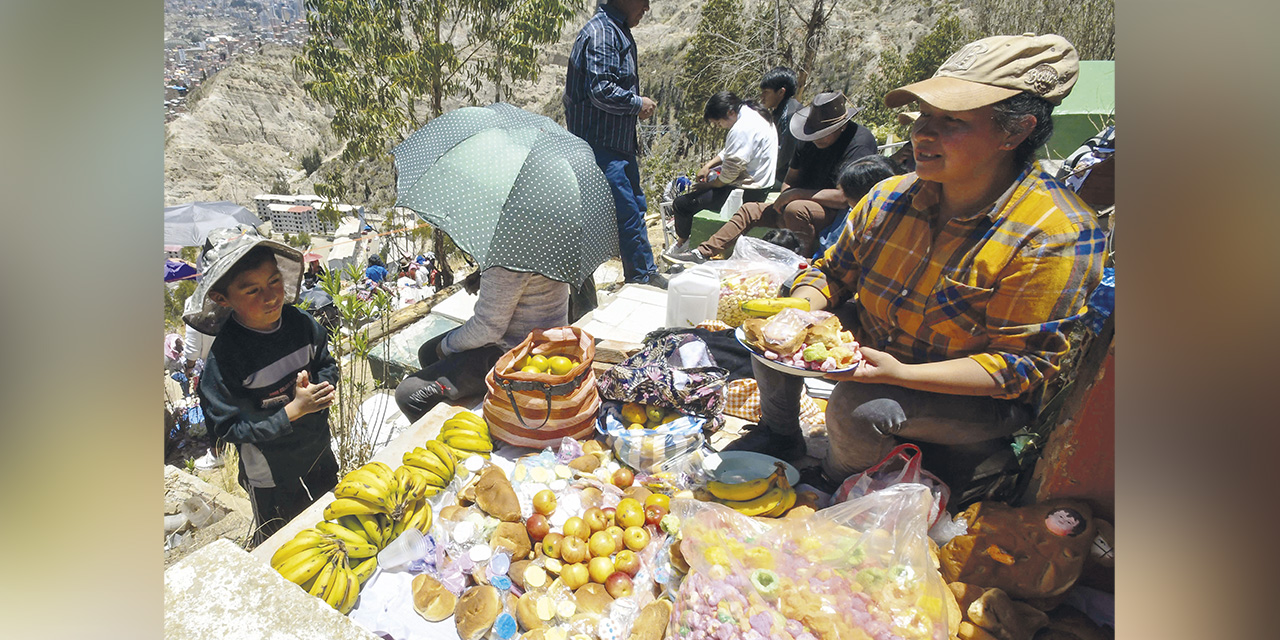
x,y
309,398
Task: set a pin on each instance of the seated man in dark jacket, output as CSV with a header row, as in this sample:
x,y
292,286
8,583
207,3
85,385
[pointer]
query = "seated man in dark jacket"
x,y
810,198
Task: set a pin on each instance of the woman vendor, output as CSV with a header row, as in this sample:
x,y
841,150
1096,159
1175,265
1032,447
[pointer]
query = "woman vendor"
x,y
957,279
511,304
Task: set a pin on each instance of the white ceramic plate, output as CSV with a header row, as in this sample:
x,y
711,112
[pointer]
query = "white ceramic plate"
x,y
741,466
785,368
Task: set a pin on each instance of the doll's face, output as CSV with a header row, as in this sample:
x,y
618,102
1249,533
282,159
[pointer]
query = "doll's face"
x,y
1064,522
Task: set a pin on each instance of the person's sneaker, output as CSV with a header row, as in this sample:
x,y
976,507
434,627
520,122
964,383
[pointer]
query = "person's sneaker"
x,y
691,256
760,439
656,280
676,248
209,461
428,395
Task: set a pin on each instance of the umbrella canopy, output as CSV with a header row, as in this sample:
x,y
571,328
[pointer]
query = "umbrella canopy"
x,y
512,188
189,224
175,270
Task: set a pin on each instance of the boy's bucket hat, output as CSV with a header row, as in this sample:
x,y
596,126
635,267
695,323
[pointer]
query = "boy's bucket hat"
x,y
229,246
823,116
989,70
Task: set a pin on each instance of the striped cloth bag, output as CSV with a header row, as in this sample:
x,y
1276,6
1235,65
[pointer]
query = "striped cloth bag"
x,y
539,409
646,450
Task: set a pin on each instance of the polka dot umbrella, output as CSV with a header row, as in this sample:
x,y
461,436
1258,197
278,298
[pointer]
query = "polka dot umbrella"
x,y
512,188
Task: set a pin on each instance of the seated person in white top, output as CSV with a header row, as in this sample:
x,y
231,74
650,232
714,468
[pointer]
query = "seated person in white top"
x,y
748,161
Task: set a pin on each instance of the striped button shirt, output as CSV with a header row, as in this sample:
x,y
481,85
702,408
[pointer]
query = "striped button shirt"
x,y
996,286
602,87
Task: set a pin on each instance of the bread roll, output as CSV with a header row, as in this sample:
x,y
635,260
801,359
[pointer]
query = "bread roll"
x,y
494,495
513,537
651,624
527,613
476,611
431,599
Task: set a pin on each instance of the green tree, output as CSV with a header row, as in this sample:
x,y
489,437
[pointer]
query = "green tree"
x,y
373,61
311,161
929,52
1090,25
280,186
707,66
303,240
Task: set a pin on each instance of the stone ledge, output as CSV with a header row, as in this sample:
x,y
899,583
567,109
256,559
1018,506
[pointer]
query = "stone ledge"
x,y
221,593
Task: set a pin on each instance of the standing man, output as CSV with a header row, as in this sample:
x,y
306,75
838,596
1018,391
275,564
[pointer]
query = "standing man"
x,y
602,102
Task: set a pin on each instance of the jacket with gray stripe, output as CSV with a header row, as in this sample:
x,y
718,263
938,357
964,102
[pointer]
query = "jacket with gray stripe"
x,y
249,377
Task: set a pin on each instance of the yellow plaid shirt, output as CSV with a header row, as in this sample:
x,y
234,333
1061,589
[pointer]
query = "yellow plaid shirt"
x,y
996,286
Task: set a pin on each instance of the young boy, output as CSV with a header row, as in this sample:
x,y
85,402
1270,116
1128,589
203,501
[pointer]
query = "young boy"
x,y
269,378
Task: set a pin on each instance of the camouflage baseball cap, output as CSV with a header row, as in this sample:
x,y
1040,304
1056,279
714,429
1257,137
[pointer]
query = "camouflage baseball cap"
x,y
992,69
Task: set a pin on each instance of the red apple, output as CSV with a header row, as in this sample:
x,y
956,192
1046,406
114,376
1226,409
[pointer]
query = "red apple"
x,y
538,526
544,502
636,538
595,518
576,527
600,569
622,478
627,561
574,550
610,515
653,514
630,513
551,544
619,584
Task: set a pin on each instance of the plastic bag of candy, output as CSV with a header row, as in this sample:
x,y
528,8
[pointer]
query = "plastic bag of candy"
x,y
861,570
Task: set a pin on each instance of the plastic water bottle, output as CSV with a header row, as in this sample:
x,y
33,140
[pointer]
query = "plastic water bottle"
x,y
692,297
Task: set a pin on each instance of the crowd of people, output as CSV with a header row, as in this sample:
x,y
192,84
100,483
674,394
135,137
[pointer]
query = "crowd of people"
x,y
957,263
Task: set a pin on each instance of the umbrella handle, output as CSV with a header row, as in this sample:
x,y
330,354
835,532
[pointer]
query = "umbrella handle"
x,y
547,390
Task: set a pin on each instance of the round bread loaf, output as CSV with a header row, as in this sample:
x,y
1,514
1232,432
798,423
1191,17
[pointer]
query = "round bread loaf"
x,y
431,599
476,611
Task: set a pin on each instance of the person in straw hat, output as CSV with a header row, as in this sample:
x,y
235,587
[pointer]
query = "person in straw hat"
x,y
810,198
959,279
269,379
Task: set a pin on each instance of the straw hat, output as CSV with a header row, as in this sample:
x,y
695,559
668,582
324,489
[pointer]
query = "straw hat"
x,y
207,316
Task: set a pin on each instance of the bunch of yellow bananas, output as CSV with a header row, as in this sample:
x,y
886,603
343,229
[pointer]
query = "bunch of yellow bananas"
x,y
771,496
384,502
317,560
465,434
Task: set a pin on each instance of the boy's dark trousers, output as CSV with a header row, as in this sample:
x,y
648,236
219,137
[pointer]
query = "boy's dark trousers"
x,y
276,506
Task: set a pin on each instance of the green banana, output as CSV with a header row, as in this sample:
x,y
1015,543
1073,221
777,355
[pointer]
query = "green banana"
x,y
350,506
765,307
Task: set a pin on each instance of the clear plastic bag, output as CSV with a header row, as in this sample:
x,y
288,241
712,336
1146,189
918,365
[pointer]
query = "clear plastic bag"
x,y
859,570
757,269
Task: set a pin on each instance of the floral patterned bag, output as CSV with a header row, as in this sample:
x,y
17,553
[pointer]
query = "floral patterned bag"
x,y
673,371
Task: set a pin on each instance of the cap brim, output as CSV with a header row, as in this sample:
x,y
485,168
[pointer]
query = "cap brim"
x,y
802,116
948,94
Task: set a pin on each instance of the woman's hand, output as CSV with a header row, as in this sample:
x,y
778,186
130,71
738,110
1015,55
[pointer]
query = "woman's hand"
x,y
876,367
